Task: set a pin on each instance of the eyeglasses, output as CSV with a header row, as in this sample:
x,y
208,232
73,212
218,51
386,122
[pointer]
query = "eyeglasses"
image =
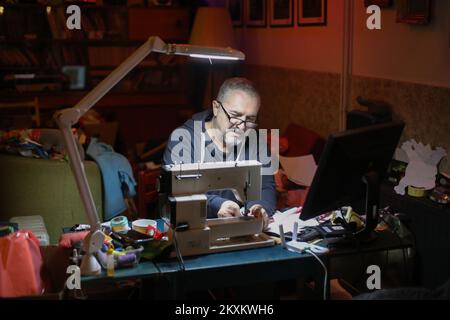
x,y
236,122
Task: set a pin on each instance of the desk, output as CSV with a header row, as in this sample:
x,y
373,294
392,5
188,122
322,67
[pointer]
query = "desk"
x,y
430,224
165,279
218,270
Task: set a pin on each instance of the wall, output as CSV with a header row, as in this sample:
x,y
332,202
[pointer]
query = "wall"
x,y
419,54
306,48
297,70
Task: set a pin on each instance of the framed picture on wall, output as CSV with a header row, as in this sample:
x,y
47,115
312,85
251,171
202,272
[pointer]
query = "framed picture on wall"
x,y
312,12
236,12
281,13
414,11
256,13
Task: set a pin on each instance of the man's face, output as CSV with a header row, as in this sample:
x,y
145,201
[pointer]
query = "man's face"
x,y
239,106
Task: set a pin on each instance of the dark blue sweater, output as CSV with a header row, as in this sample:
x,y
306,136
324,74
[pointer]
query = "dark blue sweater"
x,y
185,138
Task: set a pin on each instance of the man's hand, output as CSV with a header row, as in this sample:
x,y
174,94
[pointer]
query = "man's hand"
x,y
259,212
228,209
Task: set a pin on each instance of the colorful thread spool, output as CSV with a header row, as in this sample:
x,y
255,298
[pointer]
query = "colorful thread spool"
x,y
119,224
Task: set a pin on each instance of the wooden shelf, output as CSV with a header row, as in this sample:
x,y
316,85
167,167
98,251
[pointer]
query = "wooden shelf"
x,y
55,100
83,42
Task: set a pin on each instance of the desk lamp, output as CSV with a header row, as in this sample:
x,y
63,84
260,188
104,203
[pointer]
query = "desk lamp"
x,y
68,117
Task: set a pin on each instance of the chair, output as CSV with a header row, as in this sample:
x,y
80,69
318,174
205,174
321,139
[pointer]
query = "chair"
x,y
14,119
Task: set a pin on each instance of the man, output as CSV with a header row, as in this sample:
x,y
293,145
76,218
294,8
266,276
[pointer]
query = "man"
x,y
222,134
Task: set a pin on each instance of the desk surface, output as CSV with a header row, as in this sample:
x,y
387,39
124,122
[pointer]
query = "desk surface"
x,y
274,261
217,261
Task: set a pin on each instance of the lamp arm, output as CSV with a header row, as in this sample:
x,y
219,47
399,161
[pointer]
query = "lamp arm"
x,y
68,117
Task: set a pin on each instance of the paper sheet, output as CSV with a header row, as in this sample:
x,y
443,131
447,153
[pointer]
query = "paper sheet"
x,y
299,170
287,219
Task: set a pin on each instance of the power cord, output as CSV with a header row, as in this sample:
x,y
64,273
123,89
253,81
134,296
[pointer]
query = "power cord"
x,y
325,281
177,248
302,247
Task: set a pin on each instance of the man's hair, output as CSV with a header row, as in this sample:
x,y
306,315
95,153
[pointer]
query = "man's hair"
x,y
236,83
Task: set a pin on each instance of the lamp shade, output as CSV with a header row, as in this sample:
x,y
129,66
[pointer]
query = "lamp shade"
x,y
212,27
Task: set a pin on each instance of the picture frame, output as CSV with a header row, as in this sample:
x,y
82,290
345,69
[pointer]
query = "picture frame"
x,y
256,13
312,12
236,10
281,13
414,11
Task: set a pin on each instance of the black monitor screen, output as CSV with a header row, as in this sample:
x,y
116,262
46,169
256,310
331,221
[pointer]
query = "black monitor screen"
x,y
348,156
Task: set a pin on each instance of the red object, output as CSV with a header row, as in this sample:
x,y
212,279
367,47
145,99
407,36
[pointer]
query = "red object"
x,y
67,240
146,191
155,233
20,265
297,141
303,141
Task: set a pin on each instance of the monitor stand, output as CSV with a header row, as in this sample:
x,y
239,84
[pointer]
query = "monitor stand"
x,y
372,182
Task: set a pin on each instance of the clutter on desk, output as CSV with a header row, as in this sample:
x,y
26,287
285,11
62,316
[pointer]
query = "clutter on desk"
x,y
80,227
7,228
120,224
420,173
125,246
141,225
393,221
441,193
36,225
287,219
396,171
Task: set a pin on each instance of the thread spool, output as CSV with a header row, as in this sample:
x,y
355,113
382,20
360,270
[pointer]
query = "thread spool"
x,y
127,260
119,224
417,192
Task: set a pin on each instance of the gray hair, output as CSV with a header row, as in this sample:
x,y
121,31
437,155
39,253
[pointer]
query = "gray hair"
x,y
236,83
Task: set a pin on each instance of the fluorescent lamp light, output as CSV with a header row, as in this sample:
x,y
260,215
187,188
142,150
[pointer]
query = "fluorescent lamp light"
x,y
205,56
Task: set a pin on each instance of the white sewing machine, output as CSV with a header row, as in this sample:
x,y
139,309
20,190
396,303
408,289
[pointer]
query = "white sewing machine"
x,y
182,189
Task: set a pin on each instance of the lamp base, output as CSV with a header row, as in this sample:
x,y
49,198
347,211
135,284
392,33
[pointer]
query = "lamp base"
x,y
90,265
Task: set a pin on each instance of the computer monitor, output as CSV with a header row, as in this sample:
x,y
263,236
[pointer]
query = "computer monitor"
x,y
350,169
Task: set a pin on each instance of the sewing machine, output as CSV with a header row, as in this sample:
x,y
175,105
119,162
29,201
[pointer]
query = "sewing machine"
x,y
182,189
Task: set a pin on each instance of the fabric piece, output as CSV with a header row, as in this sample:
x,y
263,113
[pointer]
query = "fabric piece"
x,y
20,265
67,240
116,169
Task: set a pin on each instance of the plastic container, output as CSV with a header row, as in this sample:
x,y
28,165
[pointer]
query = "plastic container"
x,y
141,225
36,225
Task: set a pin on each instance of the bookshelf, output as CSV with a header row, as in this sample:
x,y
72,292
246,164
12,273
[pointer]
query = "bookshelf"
x,y
35,41
148,103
